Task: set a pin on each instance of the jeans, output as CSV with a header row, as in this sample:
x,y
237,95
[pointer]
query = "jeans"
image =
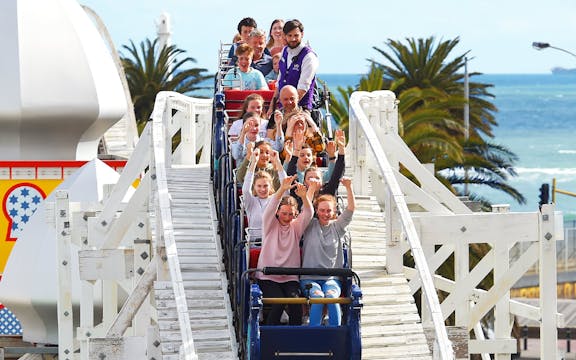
x,y
323,289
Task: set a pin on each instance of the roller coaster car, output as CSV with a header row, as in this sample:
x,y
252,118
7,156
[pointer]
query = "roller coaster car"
x,y
306,342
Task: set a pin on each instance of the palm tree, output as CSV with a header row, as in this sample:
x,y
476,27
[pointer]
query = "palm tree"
x,y
430,91
424,64
153,70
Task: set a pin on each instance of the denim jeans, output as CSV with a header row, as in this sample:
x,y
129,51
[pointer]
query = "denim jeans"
x,y
323,289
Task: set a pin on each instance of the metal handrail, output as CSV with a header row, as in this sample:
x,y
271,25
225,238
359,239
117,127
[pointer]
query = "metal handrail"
x,y
397,197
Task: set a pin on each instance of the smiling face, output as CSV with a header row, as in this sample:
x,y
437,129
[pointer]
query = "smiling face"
x,y
255,106
265,153
288,98
258,43
263,187
325,211
276,32
244,62
286,214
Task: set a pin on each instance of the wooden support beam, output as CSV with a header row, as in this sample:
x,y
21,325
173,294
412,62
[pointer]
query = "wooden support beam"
x,y
134,301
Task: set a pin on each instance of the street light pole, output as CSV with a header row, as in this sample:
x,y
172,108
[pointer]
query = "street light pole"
x,y
466,119
543,45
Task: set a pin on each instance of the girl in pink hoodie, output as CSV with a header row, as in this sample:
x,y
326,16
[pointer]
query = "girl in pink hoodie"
x,y
282,229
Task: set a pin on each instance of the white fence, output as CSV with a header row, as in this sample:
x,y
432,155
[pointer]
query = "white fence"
x,y
121,252
440,227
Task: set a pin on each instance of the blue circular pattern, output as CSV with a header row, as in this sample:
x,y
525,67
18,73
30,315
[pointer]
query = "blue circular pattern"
x,y
9,325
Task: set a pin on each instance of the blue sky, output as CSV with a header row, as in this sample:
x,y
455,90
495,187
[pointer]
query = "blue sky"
x,y
498,33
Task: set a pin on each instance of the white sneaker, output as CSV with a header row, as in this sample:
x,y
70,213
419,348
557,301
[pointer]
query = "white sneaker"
x,y
284,318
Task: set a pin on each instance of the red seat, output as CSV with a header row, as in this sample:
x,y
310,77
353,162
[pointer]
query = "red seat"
x,y
254,255
235,99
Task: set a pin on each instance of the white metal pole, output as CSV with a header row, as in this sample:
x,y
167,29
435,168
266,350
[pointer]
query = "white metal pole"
x,y
466,118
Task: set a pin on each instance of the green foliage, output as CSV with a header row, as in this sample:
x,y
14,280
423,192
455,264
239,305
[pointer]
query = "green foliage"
x,y
429,84
150,70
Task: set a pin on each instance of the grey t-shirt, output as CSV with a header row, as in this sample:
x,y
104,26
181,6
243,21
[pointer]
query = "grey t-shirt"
x,y
323,245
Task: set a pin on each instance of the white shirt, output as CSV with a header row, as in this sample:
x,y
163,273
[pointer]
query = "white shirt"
x,y
310,64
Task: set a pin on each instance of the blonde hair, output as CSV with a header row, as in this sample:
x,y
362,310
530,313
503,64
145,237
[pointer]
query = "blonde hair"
x,y
261,174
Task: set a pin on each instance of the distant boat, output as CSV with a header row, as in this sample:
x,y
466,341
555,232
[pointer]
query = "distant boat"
x,y
563,71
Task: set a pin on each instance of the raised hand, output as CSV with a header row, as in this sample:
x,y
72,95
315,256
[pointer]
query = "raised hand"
x,y
340,140
346,181
301,190
287,184
289,148
275,159
331,148
298,139
313,187
255,156
278,118
249,149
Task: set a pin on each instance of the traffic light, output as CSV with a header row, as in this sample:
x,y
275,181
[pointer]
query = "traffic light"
x,y
544,194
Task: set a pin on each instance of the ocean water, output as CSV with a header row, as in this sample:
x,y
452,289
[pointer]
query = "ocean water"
x,y
537,121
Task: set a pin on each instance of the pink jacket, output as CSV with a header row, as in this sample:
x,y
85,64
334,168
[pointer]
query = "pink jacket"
x,y
281,244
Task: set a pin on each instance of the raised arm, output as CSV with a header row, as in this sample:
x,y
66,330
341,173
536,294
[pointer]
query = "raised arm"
x,y
350,198
307,195
249,178
278,165
286,185
331,186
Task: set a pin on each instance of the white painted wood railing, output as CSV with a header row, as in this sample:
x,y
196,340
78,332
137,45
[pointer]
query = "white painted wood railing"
x,y
440,225
362,132
118,249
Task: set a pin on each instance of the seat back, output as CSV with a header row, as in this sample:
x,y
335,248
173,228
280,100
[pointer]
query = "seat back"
x,y
235,99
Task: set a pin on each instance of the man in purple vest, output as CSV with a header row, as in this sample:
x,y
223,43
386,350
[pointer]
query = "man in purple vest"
x,y
298,65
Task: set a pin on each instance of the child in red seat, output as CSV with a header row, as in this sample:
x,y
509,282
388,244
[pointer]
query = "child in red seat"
x,y
253,103
244,77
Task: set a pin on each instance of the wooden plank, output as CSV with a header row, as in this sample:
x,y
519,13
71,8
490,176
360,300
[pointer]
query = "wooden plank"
x,y
117,348
477,228
391,325
106,264
202,273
